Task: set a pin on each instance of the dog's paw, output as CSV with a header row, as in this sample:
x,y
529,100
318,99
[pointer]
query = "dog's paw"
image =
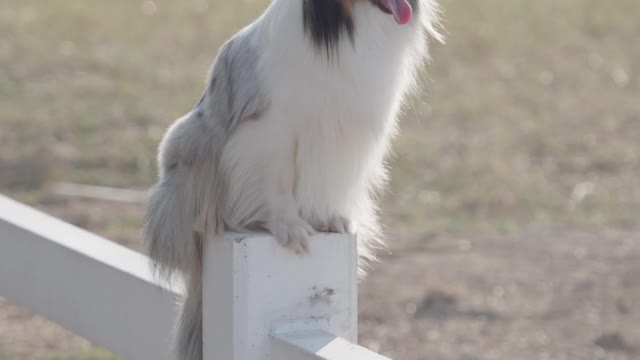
x,y
292,234
335,224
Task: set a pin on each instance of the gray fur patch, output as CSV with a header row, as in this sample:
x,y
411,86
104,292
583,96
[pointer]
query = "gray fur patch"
x,y
189,188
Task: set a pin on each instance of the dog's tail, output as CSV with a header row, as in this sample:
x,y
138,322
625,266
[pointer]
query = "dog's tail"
x,y
182,210
189,336
183,206
169,225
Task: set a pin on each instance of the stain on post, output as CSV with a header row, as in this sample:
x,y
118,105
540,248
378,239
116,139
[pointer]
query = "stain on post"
x,y
324,295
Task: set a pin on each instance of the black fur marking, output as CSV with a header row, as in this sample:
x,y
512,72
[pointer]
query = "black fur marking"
x,y
201,101
212,84
172,167
326,22
230,85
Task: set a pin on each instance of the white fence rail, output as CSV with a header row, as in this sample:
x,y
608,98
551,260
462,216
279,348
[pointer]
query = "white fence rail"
x,y
260,301
87,284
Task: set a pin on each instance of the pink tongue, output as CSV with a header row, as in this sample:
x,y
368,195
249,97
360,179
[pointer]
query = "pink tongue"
x,y
401,10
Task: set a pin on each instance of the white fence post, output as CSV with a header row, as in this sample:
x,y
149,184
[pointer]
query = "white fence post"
x,y
258,296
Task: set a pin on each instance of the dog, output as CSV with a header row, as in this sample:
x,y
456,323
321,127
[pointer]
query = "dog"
x,y
290,135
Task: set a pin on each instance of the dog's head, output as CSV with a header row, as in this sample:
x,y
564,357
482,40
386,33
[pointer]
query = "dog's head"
x,y
327,20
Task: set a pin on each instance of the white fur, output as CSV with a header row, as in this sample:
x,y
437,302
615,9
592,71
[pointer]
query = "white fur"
x,y
317,152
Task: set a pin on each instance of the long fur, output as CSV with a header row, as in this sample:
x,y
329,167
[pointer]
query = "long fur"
x,y
285,139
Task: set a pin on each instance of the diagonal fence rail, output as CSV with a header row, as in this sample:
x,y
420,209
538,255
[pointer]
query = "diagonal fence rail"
x,y
91,286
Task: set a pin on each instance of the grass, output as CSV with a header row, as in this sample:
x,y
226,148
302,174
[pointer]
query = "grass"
x,y
529,117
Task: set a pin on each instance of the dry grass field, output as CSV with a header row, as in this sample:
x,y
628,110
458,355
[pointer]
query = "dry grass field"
x,y
513,213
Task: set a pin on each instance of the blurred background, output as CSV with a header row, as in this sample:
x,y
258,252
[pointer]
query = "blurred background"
x,y
513,214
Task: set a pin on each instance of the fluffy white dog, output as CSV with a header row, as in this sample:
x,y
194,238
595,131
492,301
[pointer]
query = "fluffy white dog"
x,y
290,135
